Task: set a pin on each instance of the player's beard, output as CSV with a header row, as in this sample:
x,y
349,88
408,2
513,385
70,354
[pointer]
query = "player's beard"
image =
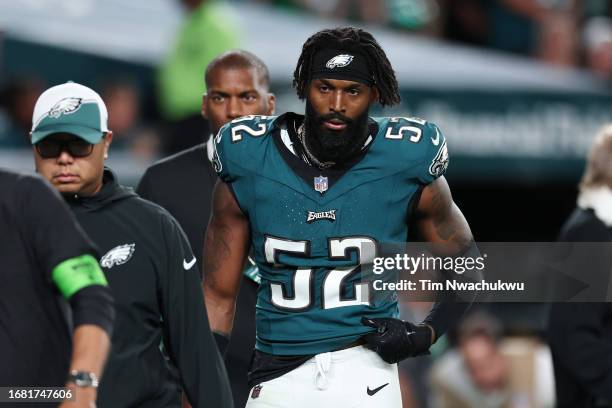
x,y
335,146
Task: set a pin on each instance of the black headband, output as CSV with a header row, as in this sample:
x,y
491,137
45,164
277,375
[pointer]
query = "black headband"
x,y
331,63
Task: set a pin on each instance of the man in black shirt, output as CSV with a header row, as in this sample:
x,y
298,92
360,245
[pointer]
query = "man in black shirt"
x,y
48,268
146,258
238,85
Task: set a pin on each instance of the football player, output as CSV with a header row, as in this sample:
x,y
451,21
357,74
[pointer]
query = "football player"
x,y
308,193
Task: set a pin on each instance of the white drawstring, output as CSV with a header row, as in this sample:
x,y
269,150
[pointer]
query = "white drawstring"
x,y
323,363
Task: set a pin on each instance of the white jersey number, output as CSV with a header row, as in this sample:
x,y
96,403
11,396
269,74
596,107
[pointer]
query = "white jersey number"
x,y
414,132
334,281
236,130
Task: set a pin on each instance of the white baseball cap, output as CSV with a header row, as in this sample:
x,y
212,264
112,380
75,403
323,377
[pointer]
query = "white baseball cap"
x,y
70,108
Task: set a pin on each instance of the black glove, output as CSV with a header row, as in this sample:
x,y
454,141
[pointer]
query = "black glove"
x,y
395,340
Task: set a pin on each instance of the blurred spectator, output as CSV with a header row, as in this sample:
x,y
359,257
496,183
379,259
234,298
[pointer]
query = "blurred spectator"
x,y
581,333
414,15
487,371
324,8
286,4
466,21
19,98
543,29
476,374
548,30
592,220
206,32
124,118
592,8
370,11
597,37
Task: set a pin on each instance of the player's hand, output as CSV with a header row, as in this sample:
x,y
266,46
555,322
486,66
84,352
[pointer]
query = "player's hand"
x,y
395,340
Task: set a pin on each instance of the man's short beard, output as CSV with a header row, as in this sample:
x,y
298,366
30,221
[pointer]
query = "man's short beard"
x,y
338,146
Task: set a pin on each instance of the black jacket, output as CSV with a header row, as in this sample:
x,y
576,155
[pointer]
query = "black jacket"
x,y
183,185
581,333
37,233
151,270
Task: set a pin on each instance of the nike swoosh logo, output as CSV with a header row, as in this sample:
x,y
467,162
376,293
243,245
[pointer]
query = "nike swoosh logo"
x,y
188,265
436,141
375,390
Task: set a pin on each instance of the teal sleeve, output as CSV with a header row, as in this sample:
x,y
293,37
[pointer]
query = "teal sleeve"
x,y
239,154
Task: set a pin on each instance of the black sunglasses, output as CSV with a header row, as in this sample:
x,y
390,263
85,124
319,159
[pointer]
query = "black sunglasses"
x,y
50,149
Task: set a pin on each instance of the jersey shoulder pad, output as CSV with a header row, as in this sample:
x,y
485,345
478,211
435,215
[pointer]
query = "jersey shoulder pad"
x,y
417,143
240,144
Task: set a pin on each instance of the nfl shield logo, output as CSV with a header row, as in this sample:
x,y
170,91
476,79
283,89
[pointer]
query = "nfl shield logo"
x,y
320,184
256,391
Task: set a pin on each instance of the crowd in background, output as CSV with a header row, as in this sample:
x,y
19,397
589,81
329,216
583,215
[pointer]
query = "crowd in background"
x,y
178,85
560,32
565,33
132,130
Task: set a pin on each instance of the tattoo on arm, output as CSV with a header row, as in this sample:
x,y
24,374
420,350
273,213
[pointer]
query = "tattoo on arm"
x,y
225,249
444,228
217,249
440,219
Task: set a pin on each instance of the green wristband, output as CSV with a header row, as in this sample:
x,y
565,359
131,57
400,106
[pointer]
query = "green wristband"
x,y
74,274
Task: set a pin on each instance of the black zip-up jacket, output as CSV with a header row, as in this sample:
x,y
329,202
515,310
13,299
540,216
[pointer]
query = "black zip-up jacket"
x,y
151,270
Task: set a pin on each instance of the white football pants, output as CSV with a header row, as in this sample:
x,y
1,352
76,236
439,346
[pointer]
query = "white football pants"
x,y
354,377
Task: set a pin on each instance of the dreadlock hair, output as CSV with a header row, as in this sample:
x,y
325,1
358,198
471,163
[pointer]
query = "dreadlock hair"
x,y
357,40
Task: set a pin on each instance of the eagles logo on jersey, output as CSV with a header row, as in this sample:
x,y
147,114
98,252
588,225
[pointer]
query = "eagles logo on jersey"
x,y
216,163
65,106
311,298
118,255
440,162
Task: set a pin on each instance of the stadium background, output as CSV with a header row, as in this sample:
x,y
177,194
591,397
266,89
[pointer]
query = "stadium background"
x,y
519,87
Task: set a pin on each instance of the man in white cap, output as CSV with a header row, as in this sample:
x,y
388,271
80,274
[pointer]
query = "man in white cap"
x,y
148,262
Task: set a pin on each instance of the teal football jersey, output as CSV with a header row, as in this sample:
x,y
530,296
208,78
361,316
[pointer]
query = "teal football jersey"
x,y
311,231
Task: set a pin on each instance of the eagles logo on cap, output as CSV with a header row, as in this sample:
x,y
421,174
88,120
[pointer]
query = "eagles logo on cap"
x,y
339,61
70,108
66,105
